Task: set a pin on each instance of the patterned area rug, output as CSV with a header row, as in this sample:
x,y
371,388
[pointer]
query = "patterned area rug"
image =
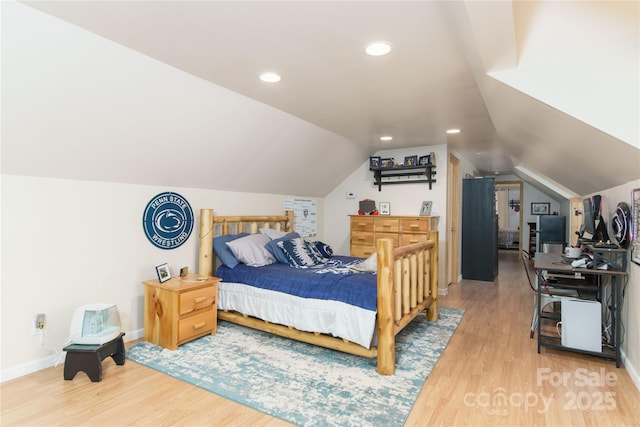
x,y
304,384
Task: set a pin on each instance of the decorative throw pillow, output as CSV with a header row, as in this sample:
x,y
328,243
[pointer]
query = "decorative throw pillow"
x,y
276,251
325,250
299,253
273,234
223,252
311,247
251,250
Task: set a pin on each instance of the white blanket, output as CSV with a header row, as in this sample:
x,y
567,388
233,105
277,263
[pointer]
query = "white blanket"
x,y
306,314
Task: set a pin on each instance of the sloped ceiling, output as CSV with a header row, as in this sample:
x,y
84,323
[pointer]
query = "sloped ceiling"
x,y
544,86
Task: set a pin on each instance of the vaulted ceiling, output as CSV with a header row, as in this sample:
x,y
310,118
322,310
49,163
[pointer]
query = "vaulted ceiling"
x,y
545,90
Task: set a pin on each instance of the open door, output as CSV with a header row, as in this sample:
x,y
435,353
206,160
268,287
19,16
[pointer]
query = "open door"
x,y
453,219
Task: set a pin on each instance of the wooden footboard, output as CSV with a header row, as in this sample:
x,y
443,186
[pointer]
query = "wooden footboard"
x,y
407,285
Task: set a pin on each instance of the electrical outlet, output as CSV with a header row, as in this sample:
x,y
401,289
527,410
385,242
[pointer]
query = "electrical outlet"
x,y
350,195
38,324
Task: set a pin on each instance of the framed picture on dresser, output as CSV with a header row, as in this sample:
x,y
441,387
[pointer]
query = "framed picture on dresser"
x,y
385,208
425,209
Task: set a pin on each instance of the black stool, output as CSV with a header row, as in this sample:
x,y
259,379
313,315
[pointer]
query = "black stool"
x,y
88,358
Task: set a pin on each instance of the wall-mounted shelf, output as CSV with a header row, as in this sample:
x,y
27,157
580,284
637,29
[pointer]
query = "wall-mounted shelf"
x,y
403,174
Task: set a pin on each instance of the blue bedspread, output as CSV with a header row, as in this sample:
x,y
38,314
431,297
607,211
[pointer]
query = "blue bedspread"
x,y
330,281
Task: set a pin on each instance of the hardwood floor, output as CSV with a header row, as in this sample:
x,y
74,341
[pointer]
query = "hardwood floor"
x,y
489,357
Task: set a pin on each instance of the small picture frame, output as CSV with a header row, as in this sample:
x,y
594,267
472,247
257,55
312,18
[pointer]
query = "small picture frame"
x,y
424,160
425,209
163,272
386,163
411,160
540,208
374,162
385,208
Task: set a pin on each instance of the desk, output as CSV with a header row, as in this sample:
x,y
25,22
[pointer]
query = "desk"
x,y
553,263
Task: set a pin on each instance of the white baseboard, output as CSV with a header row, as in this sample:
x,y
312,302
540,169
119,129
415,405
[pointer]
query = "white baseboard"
x,y
49,361
635,377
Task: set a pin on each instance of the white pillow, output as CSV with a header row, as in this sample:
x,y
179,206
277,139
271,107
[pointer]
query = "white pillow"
x,y
251,250
369,265
273,234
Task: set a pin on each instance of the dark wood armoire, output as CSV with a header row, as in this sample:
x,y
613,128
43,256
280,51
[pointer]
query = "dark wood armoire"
x,y
479,229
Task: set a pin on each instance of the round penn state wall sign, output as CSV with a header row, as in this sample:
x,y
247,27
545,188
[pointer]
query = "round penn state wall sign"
x,y
168,220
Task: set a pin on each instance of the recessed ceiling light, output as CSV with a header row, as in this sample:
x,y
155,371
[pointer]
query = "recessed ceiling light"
x,y
378,48
270,77
386,138
452,131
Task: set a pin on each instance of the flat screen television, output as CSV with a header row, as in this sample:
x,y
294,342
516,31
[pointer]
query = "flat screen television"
x,y
95,324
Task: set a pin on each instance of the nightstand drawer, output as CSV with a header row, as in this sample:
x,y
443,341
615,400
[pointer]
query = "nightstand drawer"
x,y
197,299
198,324
362,223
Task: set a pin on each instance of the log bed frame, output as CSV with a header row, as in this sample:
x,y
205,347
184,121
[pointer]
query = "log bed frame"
x,y
407,280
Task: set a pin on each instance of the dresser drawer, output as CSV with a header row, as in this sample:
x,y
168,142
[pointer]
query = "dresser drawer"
x,y
362,223
197,299
362,251
410,239
415,225
197,324
361,238
392,236
386,225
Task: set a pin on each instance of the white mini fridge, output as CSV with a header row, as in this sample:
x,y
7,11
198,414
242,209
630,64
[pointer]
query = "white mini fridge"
x,y
581,324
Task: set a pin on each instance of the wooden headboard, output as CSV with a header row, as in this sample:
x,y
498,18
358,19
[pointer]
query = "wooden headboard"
x,y
212,226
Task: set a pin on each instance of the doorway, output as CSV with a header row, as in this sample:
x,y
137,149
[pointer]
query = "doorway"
x,y
509,196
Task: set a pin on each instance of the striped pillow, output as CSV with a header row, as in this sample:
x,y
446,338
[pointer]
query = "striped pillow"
x,y
300,253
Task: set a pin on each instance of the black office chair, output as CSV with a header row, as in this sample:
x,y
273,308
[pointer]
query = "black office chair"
x,y
548,295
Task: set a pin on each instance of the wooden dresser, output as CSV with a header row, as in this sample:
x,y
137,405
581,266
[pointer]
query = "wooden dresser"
x,y
403,230
180,310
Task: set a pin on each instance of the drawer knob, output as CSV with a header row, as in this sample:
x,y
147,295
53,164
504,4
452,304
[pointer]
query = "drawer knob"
x,y
199,325
198,300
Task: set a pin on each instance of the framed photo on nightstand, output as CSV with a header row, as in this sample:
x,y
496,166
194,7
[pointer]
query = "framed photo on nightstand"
x,y
163,272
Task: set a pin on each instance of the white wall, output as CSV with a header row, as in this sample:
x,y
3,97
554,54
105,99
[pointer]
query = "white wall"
x,y
630,313
404,199
66,243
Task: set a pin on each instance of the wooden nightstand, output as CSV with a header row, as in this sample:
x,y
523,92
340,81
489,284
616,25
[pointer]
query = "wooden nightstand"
x,y
180,310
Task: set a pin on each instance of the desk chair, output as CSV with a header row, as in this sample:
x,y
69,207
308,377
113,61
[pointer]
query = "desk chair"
x,y
547,296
